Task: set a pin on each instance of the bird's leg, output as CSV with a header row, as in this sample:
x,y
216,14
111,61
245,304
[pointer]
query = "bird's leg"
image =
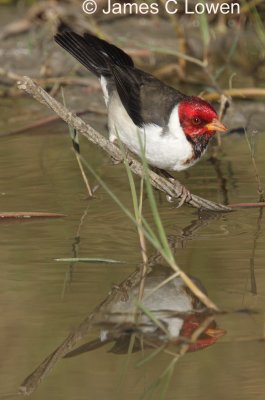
x,y
185,195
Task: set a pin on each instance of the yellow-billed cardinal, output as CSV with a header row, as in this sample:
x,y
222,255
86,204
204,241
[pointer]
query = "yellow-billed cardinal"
x,y
171,303
174,128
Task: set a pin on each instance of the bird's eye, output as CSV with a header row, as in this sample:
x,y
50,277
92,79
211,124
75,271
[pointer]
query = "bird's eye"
x,y
196,121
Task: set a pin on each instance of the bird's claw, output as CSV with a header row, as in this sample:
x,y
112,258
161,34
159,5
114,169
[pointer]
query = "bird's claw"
x,y
120,161
184,197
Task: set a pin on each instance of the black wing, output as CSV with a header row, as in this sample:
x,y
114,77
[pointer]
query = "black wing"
x,y
146,99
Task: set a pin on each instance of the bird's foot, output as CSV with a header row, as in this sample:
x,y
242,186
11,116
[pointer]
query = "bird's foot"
x,y
125,150
184,197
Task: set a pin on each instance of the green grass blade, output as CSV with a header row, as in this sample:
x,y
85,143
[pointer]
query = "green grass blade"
x,y
258,24
152,201
151,316
204,27
151,356
166,378
90,260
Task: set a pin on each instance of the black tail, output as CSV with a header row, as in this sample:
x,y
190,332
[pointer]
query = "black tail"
x,y
95,54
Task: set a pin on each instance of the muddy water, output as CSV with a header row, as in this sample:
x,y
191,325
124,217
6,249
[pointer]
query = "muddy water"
x,y
42,300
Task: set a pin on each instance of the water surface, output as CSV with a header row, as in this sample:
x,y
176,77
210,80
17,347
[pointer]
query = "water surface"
x,y
42,300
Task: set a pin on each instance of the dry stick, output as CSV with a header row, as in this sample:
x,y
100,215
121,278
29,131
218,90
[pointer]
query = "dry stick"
x,y
225,103
244,92
28,215
247,205
172,189
61,80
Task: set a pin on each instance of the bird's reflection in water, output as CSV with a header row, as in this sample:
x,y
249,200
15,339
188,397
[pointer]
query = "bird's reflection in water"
x,y
168,315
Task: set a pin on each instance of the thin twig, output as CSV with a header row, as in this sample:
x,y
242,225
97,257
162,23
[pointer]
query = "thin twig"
x,y
60,80
176,53
238,92
247,205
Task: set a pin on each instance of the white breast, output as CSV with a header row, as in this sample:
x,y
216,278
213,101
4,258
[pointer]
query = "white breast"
x,y
166,149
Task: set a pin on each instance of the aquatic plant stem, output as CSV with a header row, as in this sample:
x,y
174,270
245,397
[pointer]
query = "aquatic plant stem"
x,y
257,175
89,190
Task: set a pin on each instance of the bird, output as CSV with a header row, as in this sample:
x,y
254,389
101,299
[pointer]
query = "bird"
x,y
145,114
172,304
